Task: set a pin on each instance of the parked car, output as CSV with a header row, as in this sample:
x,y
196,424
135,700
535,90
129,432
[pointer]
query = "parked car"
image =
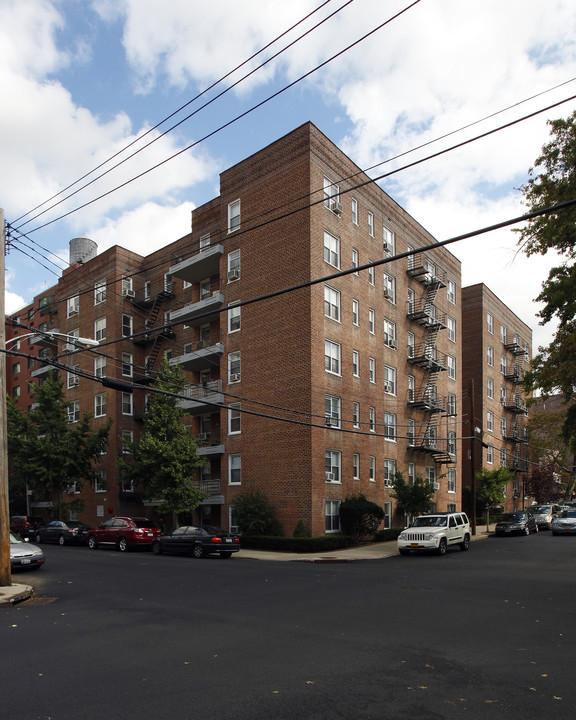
x,y
197,541
436,532
62,533
520,522
544,514
25,525
124,533
565,523
24,555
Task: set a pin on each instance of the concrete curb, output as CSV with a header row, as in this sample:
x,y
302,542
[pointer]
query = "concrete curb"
x,y
15,593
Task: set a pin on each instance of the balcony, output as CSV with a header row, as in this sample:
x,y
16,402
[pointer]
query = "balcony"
x,y
515,404
514,346
48,305
427,400
199,313
513,373
212,489
45,340
202,265
428,357
44,369
519,464
425,271
204,356
201,399
426,314
441,451
150,335
517,434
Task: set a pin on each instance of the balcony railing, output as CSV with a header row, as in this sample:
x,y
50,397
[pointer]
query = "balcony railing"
x,y
427,314
427,357
515,404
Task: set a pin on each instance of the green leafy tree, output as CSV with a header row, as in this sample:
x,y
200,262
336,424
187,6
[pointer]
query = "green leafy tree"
x,y
412,498
359,516
255,514
47,451
165,459
552,180
490,490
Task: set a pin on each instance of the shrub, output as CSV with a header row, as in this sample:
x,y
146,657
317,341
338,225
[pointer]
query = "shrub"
x,y
359,516
386,535
255,514
300,531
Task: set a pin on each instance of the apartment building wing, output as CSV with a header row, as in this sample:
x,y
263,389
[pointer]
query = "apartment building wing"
x,y
497,349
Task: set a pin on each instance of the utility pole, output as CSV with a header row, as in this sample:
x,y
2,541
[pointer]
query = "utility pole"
x,y
5,575
472,456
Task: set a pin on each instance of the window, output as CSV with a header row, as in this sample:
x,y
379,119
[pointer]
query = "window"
x,y
451,480
389,380
451,325
332,513
100,405
410,302
411,344
389,243
355,211
332,410
234,319
372,468
127,440
234,418
16,391
204,242
451,367
451,446
490,355
503,460
390,288
234,367
503,364
355,363
331,249
356,414
204,289
490,389
355,313
371,321
235,470
99,481
332,357
332,466
490,322
387,515
390,426
100,329
503,427
356,466
503,332
331,303
411,388
451,404
451,292
503,394
233,265
371,224
490,454
331,193
73,411
411,473
411,432
430,474
126,325
490,421
372,415
100,367
126,286
355,261
16,368
390,334
233,216
73,306
99,292
389,472
372,370
147,290
371,276
126,403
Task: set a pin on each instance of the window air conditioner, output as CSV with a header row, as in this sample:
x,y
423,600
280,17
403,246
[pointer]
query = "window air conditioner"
x,y
336,206
387,294
392,344
203,437
329,476
388,386
436,486
74,381
128,293
234,274
69,347
234,377
332,422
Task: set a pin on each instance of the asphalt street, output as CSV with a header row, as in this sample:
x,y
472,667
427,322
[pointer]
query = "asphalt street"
x,y
487,633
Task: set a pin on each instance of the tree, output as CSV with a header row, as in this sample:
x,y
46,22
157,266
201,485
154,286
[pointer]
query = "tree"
x,y
551,478
48,452
543,484
412,498
490,490
165,458
255,514
553,180
359,516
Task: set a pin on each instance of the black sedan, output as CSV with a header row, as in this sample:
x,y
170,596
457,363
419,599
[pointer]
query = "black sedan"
x,y
62,533
198,541
516,523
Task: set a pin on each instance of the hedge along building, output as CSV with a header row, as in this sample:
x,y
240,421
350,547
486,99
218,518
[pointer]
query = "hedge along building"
x,y
312,395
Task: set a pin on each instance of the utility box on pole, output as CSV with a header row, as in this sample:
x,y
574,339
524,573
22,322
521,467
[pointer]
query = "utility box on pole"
x,y
5,575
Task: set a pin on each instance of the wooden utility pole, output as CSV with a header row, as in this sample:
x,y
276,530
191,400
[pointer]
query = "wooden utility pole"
x,y
5,575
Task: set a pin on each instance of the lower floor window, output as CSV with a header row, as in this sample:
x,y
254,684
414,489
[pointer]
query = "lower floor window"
x,y
387,515
332,512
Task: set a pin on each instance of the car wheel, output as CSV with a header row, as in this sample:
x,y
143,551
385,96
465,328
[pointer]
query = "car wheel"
x,y
466,544
198,551
122,544
403,551
156,548
92,544
526,530
226,555
442,547
61,540
38,538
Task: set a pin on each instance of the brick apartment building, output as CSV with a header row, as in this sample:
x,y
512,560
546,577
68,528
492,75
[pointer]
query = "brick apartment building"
x,y
497,349
312,395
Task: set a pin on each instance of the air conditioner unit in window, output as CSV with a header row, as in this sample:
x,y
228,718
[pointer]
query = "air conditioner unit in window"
x,y
127,293
234,274
386,247
329,477
69,347
74,381
388,386
336,206
234,377
387,294
436,486
392,344
187,348
332,422
203,437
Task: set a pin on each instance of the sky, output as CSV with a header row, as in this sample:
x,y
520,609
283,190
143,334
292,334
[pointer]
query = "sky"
x,y
83,79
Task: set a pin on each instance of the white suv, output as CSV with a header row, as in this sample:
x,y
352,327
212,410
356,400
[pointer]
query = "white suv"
x,y
437,532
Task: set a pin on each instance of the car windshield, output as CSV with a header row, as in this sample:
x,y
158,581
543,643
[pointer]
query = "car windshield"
x,y
430,521
14,538
544,510
513,517
568,514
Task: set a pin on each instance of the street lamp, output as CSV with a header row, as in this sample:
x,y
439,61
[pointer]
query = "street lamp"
x,y
5,575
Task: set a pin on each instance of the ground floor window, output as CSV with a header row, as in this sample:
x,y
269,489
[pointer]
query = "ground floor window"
x,y
387,515
332,512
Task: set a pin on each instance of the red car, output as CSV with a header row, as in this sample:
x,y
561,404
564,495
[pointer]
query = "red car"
x,y
124,533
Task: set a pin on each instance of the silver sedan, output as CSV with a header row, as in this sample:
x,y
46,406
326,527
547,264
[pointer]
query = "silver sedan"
x,y
24,555
565,523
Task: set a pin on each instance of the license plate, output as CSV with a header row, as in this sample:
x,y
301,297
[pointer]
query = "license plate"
x,y
228,539
149,534
413,544
25,561
507,530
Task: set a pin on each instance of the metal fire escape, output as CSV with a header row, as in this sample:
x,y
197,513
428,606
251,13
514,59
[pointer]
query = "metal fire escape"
x,y
426,356
154,336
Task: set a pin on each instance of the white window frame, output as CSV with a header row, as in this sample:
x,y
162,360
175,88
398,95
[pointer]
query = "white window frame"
x,y
332,303
332,410
389,471
451,361
489,421
390,288
332,516
372,370
490,389
333,467
127,403
355,313
234,419
451,292
73,306
372,472
332,357
100,366
100,405
99,292
372,419
356,414
234,217
235,469
371,224
451,480
234,367
355,363
490,323
389,239
356,466
371,321
451,327
234,318
355,211
490,355
389,380
331,249
390,427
